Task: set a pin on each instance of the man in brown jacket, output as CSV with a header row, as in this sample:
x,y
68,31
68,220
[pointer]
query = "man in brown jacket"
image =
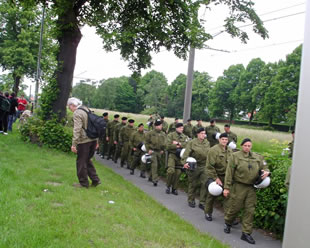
x,y
83,146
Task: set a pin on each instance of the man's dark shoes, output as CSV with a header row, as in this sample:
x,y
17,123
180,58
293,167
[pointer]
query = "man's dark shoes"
x,y
142,174
132,172
174,192
201,206
78,185
95,184
248,238
192,204
208,217
108,158
227,228
168,190
155,184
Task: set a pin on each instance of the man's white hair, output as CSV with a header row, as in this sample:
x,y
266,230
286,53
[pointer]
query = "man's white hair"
x,y
74,101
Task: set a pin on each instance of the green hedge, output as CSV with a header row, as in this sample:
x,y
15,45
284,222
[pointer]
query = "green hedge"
x,y
50,133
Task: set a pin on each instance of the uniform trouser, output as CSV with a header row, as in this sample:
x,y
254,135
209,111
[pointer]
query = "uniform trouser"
x,y
118,149
84,165
136,161
196,181
111,148
211,199
125,152
173,173
242,196
156,158
103,146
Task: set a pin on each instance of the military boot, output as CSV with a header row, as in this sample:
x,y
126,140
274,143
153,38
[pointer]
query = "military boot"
x,y
208,217
142,174
227,228
248,238
174,191
192,204
132,171
168,190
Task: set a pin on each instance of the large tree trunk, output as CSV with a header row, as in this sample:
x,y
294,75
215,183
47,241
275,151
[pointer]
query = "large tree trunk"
x,y
16,83
69,38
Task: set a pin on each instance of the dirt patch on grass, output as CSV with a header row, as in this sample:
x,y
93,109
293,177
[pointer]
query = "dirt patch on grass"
x,y
57,204
53,183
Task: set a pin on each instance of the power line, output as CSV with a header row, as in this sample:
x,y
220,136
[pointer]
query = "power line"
x,y
274,11
268,20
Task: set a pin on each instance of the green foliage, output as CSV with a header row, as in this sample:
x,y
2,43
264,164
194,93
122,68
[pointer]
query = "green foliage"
x,y
50,133
272,201
85,91
48,97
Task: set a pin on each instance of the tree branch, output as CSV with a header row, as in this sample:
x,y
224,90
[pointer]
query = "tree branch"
x,y
78,5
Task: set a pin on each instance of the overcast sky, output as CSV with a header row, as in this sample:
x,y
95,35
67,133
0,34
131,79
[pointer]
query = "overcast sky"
x,y
284,20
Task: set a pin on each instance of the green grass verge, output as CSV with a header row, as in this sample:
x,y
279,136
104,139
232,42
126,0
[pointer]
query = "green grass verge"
x,y
40,208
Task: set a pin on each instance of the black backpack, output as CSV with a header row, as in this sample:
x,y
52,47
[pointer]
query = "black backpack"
x,y
5,105
96,125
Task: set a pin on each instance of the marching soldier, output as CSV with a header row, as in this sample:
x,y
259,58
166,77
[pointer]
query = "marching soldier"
x,y
172,125
197,127
150,123
197,148
155,146
124,136
217,161
136,141
110,135
174,143
241,174
165,124
231,136
103,143
188,129
211,131
118,145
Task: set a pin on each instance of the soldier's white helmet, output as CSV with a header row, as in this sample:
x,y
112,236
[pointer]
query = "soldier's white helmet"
x,y
263,184
217,135
146,158
143,148
191,162
232,145
215,189
182,152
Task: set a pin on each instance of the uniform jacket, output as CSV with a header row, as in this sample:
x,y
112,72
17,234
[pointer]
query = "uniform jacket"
x,y
125,133
136,138
111,128
175,136
198,150
210,131
171,127
165,126
155,140
232,137
80,121
243,168
188,130
217,161
195,130
117,130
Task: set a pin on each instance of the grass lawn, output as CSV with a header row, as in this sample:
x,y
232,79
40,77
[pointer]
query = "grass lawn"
x,y
40,208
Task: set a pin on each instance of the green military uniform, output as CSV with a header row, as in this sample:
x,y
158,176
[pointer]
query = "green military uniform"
x,y
241,174
188,130
196,179
165,126
155,141
150,123
195,130
103,143
217,162
118,147
124,136
174,162
110,134
171,127
232,137
137,138
211,131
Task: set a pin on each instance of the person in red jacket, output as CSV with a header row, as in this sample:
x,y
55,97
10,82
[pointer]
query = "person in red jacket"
x,y
22,104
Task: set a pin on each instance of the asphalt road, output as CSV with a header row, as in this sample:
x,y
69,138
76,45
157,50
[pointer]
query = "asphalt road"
x,y
195,216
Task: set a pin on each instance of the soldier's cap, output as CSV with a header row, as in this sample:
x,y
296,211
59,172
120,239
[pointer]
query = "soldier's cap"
x,y
116,116
212,121
200,130
179,125
124,118
105,114
199,119
176,119
157,123
223,135
131,121
189,119
227,125
245,141
141,124
162,116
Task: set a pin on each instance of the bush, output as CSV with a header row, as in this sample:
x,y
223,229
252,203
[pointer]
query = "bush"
x,y
271,202
50,133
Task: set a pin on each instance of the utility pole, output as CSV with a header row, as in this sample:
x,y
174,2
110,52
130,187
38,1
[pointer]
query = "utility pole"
x,y
296,233
38,76
189,86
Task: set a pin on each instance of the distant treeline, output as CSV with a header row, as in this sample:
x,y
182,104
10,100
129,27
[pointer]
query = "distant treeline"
x,y
265,92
